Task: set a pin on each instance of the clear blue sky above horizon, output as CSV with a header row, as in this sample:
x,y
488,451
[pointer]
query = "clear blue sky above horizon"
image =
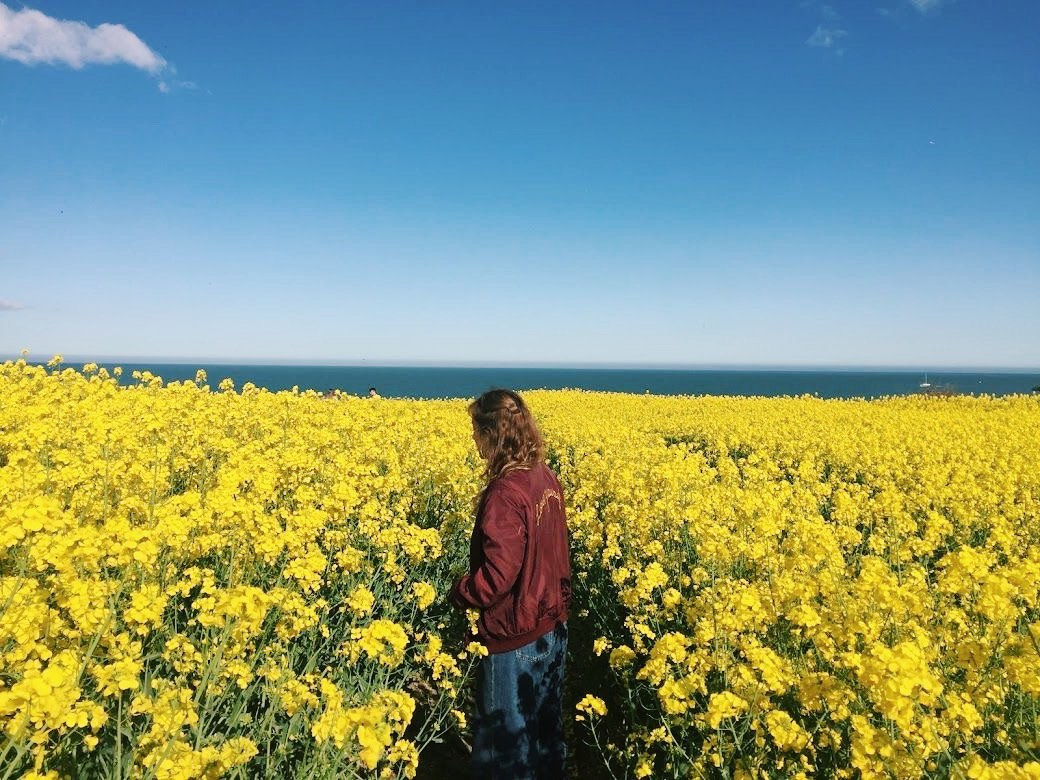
x,y
749,183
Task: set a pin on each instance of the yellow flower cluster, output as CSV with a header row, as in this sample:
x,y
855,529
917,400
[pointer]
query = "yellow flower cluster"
x,y
374,727
805,586
591,706
199,582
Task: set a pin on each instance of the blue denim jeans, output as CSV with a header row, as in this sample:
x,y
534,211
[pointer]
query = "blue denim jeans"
x,y
518,728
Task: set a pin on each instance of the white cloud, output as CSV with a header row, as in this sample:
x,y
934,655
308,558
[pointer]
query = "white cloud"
x,y
825,10
168,83
898,10
10,306
31,37
826,37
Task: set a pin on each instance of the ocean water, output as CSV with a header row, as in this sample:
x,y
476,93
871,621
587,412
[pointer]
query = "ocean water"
x,y
440,382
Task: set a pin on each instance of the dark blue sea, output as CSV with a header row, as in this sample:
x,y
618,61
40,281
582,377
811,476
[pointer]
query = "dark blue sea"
x,y
439,382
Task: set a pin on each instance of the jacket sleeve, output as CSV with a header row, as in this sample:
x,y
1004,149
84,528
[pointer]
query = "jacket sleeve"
x,y
503,542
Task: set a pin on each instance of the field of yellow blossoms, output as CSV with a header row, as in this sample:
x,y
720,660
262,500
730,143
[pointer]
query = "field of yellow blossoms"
x,y
204,581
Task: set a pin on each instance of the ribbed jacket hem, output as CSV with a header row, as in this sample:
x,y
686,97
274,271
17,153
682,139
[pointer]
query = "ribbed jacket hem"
x,y
513,642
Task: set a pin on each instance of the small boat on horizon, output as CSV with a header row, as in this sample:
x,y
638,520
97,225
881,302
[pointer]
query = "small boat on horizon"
x,y
925,383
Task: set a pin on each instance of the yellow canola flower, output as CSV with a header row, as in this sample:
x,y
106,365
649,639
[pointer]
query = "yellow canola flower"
x,y
622,656
381,640
868,567
591,706
45,698
476,649
978,769
361,600
424,594
787,734
405,756
722,706
146,608
372,727
178,760
294,695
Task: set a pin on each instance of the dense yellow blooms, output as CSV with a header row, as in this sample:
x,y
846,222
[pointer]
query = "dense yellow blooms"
x,y
805,586
204,583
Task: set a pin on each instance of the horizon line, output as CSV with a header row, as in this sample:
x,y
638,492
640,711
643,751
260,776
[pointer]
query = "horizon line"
x,y
521,364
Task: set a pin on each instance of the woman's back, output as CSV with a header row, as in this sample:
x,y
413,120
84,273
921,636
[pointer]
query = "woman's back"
x,y
522,519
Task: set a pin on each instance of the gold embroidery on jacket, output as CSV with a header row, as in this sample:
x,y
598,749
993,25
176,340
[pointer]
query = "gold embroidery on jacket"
x,y
540,507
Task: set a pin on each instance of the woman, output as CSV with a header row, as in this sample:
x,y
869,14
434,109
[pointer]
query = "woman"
x,y
519,579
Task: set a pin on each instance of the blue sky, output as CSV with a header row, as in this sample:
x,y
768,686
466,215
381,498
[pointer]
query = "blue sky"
x,y
793,183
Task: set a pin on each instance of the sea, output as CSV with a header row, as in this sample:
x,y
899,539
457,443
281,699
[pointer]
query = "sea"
x,y
467,382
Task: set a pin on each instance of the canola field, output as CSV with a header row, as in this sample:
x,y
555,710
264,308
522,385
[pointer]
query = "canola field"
x,y
212,582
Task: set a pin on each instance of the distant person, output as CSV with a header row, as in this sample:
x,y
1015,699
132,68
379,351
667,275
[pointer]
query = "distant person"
x,y
372,393
520,580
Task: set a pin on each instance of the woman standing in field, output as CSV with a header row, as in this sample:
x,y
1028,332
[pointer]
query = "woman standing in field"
x,y
519,579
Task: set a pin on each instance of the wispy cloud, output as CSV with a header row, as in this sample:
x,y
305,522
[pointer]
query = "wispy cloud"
x,y
825,10
829,30
826,37
32,38
926,6
168,83
10,305
901,11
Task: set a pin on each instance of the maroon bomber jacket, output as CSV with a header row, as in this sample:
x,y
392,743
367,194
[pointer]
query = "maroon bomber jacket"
x,y
519,567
